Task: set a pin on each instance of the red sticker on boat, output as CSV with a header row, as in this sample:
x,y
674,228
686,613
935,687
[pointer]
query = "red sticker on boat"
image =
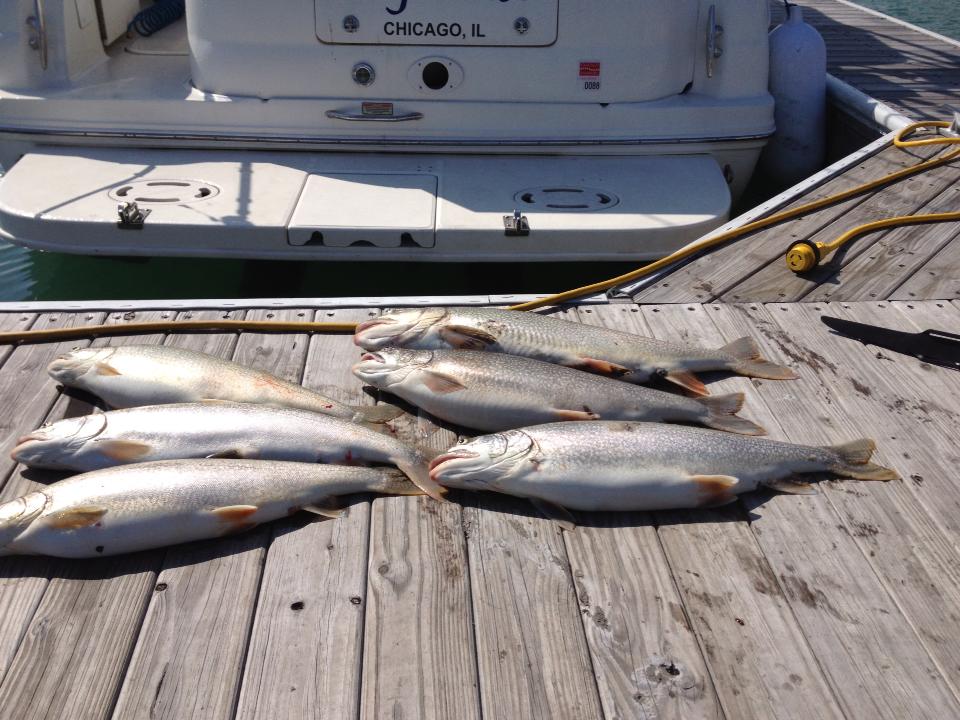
x,y
589,69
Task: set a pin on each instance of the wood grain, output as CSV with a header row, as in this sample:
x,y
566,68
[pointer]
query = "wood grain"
x,y
853,608
304,653
419,655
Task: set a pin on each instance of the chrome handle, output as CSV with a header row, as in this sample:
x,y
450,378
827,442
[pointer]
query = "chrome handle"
x,y
714,33
342,115
38,41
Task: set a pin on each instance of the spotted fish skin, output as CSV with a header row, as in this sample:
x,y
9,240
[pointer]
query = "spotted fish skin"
x,y
134,375
150,505
629,357
213,429
495,391
638,466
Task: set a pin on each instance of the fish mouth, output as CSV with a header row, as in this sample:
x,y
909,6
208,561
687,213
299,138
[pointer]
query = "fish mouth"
x,y
364,327
371,357
436,464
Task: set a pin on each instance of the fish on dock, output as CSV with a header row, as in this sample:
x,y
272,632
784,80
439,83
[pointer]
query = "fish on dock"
x,y
214,429
639,466
134,375
626,356
139,507
495,391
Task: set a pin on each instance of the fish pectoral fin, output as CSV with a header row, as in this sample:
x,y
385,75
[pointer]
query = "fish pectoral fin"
x,y
571,415
464,337
235,513
558,513
123,450
715,490
688,381
77,517
105,368
440,384
327,507
601,367
793,487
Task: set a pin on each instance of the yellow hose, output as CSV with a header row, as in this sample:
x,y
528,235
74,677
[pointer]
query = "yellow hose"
x,y
802,255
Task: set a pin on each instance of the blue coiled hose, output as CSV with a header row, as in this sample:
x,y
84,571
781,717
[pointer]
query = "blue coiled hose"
x,y
157,16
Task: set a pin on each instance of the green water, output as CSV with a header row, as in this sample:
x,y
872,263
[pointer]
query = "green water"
x,y
29,275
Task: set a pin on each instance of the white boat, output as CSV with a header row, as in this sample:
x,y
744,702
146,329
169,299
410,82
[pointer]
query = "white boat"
x,y
421,130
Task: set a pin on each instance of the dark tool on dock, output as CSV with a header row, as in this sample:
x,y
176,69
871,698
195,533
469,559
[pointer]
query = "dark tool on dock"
x,y
932,346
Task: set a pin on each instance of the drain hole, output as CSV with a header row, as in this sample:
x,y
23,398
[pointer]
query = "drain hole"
x,y
406,240
527,198
316,238
562,190
557,206
167,183
362,243
605,199
122,192
203,192
152,199
436,75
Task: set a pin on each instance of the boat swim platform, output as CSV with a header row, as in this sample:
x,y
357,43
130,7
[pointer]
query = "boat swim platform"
x,y
842,604
910,69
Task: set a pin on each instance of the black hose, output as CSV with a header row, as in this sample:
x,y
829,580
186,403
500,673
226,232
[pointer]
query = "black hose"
x,y
157,16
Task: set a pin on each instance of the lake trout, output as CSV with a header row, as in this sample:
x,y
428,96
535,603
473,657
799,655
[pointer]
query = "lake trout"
x,y
629,357
138,507
639,466
493,391
133,375
214,429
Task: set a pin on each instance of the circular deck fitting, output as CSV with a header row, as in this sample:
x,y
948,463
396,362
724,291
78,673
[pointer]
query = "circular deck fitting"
x,y
164,191
556,198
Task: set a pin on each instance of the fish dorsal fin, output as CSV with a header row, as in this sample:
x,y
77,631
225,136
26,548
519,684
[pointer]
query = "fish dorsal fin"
x,y
793,487
688,381
77,517
440,384
105,368
558,513
327,507
715,490
601,367
464,337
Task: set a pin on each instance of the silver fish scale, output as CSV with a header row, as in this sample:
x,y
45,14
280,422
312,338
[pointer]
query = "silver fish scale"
x,y
500,381
591,446
534,335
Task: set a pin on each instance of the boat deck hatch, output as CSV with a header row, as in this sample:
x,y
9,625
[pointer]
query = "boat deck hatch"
x,y
335,206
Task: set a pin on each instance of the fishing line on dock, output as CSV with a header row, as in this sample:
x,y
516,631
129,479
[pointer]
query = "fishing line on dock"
x,y
799,260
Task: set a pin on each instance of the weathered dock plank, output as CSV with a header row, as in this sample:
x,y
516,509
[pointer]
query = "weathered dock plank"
x,y
889,60
756,648
872,265
937,278
419,656
721,271
92,608
306,642
197,594
861,587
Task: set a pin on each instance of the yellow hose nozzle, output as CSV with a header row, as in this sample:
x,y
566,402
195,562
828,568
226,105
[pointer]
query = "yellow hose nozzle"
x,y
803,257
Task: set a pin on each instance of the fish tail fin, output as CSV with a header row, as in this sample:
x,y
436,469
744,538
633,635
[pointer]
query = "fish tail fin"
x,y
417,469
722,415
747,360
396,482
853,461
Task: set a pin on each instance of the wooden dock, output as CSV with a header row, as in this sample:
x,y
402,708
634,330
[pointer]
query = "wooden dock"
x,y
909,69
841,604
